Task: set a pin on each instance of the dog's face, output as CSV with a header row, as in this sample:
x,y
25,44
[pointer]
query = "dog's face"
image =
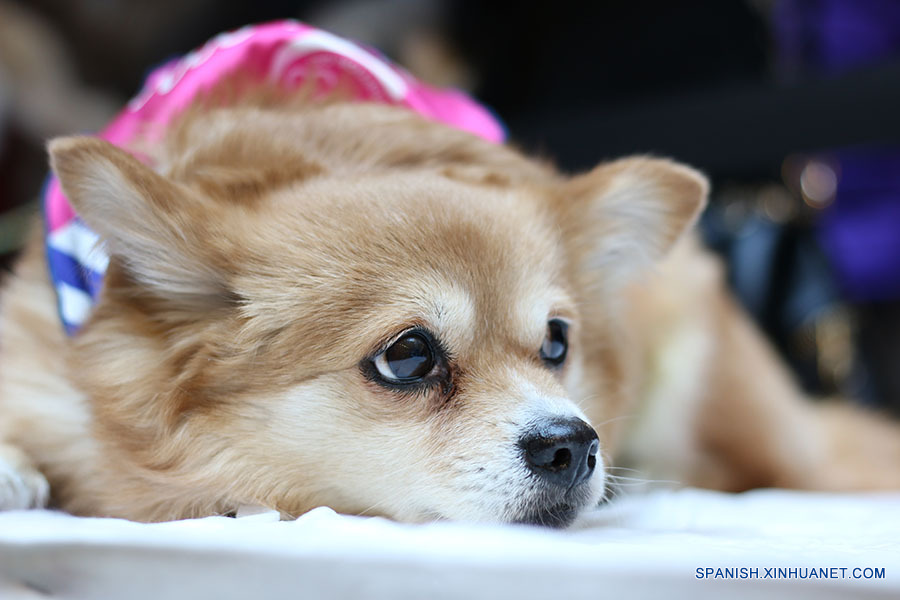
x,y
412,342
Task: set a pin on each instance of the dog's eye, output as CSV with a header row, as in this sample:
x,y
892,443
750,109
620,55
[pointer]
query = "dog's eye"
x,y
407,360
555,346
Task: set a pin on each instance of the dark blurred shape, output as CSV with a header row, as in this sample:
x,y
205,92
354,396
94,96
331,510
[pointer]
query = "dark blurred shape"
x,y
783,279
827,37
860,223
694,79
40,96
858,229
116,42
595,55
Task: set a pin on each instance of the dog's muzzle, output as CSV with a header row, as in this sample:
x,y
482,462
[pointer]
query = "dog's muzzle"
x,y
562,454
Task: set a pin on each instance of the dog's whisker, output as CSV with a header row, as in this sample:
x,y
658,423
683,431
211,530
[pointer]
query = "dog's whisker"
x,y
636,481
616,419
618,468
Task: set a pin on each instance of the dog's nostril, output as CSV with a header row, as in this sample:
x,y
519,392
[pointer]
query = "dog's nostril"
x,y
592,454
561,451
561,459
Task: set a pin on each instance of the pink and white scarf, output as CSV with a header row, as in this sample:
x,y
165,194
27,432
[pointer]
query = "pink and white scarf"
x,y
288,53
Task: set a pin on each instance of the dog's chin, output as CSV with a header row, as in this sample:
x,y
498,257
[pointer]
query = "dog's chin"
x,y
557,516
559,513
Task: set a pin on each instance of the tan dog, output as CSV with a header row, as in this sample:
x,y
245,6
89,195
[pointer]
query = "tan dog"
x,y
347,305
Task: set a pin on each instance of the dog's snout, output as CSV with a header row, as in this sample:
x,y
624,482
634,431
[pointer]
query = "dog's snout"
x,y
561,451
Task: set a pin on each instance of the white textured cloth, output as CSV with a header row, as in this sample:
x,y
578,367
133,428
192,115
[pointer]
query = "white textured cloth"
x,y
642,546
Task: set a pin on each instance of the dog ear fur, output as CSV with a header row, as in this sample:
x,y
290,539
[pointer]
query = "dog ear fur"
x,y
622,217
144,219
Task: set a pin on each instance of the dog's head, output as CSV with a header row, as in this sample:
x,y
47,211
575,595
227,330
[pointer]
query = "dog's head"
x,y
352,307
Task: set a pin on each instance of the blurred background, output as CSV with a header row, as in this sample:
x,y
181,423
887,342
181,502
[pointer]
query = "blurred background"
x,y
792,107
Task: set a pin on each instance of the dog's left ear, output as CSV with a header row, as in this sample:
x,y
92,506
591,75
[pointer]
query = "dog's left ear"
x,y
622,217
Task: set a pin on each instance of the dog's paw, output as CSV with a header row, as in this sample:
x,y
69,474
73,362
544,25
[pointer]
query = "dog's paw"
x,y
21,486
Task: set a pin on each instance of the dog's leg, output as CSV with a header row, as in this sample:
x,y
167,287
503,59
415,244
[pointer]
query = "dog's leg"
x,y
21,485
756,428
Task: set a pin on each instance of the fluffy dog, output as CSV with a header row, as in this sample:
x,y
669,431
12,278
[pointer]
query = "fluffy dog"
x,y
347,304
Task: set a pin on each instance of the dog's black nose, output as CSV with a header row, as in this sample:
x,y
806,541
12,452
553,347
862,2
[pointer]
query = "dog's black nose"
x,y
561,451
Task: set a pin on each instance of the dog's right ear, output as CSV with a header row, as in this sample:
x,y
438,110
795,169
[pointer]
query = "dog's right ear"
x,y
142,217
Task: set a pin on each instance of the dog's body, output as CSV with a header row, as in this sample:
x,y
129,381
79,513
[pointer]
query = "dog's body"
x,y
260,275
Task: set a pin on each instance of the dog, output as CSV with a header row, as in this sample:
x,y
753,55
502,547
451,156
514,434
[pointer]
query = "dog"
x,y
313,301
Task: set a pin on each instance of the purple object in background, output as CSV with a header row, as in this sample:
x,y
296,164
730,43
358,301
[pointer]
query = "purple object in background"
x,y
832,36
860,230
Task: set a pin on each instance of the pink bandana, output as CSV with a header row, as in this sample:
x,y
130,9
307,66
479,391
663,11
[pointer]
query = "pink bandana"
x,y
286,52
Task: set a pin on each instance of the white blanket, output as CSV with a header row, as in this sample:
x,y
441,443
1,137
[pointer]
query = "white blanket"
x,y
765,544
